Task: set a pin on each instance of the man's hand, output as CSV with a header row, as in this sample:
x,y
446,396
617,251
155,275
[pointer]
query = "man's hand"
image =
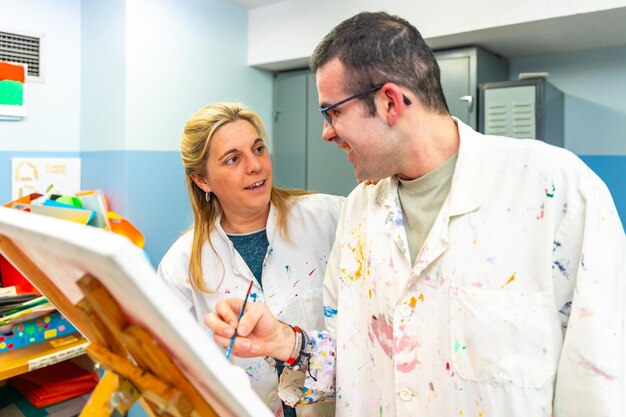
x,y
258,332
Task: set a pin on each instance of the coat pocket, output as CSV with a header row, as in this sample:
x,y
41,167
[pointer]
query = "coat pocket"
x,y
305,310
505,338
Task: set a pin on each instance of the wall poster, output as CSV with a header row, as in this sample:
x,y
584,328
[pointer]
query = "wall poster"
x,y
12,90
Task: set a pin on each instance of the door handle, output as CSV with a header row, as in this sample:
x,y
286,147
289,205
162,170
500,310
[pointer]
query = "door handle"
x,y
469,100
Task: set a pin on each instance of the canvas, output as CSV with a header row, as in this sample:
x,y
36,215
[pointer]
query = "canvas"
x,y
66,251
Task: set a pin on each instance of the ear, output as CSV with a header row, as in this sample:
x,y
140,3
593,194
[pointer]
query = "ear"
x,y
201,182
394,102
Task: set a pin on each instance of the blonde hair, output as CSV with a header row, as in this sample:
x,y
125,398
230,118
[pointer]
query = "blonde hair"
x,y
194,150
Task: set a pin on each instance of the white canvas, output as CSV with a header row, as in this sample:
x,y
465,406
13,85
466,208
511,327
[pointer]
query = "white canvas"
x,y
66,251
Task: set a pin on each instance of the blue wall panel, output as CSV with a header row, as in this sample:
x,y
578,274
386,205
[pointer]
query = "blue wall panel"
x,y
106,171
148,188
157,199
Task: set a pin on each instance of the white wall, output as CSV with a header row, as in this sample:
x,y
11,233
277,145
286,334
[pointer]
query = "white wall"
x,y
103,86
122,78
181,56
147,66
290,30
53,120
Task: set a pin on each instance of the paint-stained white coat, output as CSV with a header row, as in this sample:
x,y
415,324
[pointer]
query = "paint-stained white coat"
x,y
514,306
292,280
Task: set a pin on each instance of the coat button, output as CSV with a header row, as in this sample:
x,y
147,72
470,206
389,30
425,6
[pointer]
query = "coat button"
x,y
405,310
273,396
405,394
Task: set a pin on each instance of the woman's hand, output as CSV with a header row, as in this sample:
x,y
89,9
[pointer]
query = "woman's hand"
x,y
368,182
259,333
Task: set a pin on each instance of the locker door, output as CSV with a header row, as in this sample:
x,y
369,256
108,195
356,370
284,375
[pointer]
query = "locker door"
x,y
328,168
511,112
455,81
289,133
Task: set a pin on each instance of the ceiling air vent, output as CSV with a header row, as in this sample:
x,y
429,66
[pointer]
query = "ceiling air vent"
x,y
23,49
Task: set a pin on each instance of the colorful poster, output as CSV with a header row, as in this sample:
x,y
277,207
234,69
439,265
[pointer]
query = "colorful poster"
x,y
44,176
12,90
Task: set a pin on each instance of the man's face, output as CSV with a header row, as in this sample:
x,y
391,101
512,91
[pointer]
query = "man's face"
x,y
365,138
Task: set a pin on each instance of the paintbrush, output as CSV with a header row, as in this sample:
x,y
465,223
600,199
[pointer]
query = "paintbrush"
x,y
232,339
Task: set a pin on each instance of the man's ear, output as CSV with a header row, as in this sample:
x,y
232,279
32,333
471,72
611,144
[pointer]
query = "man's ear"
x,y
201,182
394,102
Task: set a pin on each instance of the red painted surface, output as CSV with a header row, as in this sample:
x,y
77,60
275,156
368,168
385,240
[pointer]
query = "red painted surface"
x,y
12,72
9,276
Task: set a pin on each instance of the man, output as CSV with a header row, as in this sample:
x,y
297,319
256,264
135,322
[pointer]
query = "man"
x,y
481,276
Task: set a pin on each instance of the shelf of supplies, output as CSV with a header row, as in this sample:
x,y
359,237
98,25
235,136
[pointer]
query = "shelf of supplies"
x,y
38,355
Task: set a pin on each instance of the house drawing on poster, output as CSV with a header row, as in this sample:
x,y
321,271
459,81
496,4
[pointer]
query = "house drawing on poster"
x,y
12,90
25,174
44,176
26,171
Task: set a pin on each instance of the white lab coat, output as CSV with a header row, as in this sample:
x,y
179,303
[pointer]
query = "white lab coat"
x,y
516,298
292,280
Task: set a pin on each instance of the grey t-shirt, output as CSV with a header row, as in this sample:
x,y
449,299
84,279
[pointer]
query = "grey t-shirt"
x,y
421,199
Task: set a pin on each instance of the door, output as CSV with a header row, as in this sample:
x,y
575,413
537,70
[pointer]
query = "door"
x,y
328,168
289,129
301,157
455,81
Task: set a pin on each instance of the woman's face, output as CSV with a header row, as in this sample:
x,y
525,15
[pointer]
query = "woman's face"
x,y
239,170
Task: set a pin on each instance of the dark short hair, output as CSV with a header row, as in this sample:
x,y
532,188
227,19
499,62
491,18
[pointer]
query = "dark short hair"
x,y
376,48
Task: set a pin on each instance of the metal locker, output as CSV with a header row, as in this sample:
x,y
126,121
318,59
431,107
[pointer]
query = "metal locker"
x,y
462,71
530,109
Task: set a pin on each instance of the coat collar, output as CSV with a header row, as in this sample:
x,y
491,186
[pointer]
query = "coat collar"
x,y
270,226
467,188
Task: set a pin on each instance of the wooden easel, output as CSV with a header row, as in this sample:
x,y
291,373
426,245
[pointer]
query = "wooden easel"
x,y
137,367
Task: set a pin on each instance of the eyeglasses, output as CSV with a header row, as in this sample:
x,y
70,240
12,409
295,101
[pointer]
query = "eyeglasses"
x,y
328,117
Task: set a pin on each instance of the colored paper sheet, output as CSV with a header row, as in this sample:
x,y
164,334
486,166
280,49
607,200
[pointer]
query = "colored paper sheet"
x,y
13,72
12,90
96,201
27,199
14,404
67,199
11,93
56,383
72,214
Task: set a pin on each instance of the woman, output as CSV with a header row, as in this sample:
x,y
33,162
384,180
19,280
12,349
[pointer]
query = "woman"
x,y
247,229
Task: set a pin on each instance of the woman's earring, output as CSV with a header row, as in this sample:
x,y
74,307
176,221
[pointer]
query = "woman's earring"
x,y
207,196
